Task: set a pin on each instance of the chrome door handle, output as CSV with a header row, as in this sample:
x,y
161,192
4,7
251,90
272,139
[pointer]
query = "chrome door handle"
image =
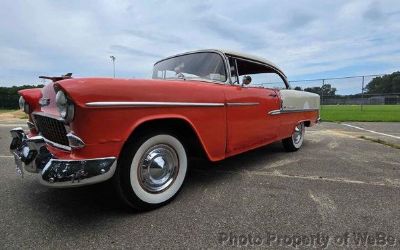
x,y
273,95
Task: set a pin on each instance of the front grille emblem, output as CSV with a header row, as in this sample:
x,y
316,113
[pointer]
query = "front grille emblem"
x,y
44,102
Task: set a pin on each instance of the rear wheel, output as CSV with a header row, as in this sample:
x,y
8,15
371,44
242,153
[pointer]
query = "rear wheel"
x,y
294,142
151,171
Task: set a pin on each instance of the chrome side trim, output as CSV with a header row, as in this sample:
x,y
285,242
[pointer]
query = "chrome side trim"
x,y
242,103
275,112
285,111
153,104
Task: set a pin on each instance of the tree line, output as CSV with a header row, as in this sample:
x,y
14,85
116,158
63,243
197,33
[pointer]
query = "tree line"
x,y
9,95
386,84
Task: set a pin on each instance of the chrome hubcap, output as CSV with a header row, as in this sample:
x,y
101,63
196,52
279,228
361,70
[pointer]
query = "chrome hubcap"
x,y
298,133
158,168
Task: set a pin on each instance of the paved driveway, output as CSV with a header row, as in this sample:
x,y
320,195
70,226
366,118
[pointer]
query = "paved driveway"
x,y
331,192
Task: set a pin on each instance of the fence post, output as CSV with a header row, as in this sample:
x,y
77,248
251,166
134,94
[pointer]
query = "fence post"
x,y
322,92
362,92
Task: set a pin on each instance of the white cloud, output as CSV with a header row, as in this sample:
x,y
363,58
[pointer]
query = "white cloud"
x,y
306,38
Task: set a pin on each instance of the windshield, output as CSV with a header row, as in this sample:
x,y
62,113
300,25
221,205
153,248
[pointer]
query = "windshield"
x,y
202,65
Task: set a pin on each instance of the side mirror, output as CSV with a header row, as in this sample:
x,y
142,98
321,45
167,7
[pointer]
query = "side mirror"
x,y
246,80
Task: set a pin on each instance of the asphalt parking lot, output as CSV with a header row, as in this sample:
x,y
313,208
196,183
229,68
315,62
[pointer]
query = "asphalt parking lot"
x,y
335,191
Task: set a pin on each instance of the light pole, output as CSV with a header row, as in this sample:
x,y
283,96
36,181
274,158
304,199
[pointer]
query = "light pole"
x,y
113,60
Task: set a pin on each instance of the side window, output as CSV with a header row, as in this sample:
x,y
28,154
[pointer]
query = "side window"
x,y
252,74
268,80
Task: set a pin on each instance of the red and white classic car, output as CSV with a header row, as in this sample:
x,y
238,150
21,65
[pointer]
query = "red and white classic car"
x,y
140,132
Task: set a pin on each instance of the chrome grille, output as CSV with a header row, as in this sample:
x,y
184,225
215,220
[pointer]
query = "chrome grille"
x,y
52,129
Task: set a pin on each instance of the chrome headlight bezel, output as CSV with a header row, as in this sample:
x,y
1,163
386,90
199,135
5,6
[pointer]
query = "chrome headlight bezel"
x,y
23,105
65,106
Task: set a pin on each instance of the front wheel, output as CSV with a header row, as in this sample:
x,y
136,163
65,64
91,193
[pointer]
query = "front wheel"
x,y
151,171
294,142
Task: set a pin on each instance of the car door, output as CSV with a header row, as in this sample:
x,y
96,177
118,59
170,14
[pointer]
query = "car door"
x,y
248,122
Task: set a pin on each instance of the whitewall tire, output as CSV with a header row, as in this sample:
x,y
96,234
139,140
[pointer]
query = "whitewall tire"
x,y
151,171
295,141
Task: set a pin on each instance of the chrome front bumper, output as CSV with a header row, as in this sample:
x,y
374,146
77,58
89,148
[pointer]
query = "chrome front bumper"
x,y
31,155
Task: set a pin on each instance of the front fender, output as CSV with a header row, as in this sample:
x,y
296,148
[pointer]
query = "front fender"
x,y
207,143
32,97
107,128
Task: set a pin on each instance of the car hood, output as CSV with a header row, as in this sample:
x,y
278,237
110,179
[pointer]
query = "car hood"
x,y
85,90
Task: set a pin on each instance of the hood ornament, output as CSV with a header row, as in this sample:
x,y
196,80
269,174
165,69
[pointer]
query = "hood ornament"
x,y
57,78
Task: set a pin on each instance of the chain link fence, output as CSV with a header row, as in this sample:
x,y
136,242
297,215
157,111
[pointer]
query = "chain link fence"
x,y
351,90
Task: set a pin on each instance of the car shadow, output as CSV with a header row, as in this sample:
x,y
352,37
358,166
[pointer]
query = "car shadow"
x,y
252,160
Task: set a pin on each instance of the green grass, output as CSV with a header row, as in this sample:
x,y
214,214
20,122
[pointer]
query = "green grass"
x,y
370,113
6,114
342,113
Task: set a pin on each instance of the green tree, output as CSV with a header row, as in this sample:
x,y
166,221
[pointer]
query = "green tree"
x,y
325,90
9,95
384,84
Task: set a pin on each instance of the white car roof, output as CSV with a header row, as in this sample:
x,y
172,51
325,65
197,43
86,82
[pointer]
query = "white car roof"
x,y
248,56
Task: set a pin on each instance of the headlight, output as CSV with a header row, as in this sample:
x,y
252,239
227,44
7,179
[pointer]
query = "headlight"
x,y
23,105
65,106
21,102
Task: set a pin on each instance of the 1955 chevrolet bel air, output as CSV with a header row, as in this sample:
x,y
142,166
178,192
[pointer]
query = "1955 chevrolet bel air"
x,y
139,133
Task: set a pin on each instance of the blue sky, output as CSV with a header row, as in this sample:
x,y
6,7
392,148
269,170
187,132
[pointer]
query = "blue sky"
x,y
307,39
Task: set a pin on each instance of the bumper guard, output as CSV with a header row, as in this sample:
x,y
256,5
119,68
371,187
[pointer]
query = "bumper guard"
x,y
31,155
